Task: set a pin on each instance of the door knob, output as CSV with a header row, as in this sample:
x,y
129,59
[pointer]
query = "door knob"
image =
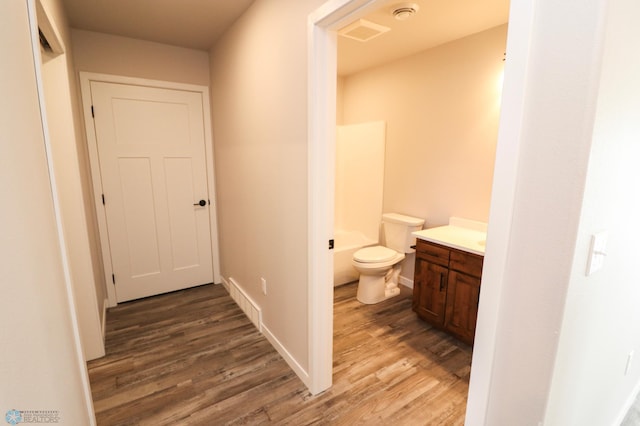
x,y
201,203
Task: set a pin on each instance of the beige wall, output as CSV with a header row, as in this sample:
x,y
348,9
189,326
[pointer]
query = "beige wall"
x,y
259,104
109,54
442,109
41,360
69,165
339,101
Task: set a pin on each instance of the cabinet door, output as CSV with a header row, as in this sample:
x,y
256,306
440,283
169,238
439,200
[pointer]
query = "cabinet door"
x,y
430,291
462,305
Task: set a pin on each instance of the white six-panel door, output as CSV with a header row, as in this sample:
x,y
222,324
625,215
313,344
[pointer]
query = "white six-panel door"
x,y
151,149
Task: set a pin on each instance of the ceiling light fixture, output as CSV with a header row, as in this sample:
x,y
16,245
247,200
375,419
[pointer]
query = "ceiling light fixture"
x,y
404,11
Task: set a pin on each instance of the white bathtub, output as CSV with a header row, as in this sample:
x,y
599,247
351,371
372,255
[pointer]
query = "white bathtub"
x,y
346,243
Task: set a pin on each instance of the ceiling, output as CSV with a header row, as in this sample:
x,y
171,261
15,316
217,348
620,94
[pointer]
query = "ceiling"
x,y
436,22
197,24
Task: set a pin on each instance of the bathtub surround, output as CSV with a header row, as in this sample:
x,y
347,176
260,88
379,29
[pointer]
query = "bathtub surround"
x,y
360,152
360,156
346,244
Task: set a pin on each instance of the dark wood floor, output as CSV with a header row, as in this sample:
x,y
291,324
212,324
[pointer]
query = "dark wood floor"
x,y
193,358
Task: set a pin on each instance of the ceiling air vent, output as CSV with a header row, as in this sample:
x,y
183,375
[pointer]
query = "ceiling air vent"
x,y
363,30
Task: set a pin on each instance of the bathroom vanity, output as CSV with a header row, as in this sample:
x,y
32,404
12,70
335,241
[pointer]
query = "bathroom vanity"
x,y
448,269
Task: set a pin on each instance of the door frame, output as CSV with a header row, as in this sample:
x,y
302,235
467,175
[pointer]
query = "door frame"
x,y
92,143
322,25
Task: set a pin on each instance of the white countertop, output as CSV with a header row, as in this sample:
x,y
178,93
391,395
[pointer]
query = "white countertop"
x,y
462,234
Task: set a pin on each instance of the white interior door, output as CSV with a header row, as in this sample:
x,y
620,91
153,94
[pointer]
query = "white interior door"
x,y
151,149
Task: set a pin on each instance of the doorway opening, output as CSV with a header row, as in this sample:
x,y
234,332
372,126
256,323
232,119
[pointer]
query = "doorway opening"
x,y
323,25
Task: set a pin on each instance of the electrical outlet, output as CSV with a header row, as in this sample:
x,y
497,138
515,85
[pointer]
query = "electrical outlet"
x,y
264,286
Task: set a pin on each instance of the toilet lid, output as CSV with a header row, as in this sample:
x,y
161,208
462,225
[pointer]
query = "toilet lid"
x,y
374,254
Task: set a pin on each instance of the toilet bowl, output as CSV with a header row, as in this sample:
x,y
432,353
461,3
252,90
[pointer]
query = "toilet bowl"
x,y
379,266
379,269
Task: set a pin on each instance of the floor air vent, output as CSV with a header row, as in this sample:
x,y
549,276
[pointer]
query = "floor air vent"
x,y
248,306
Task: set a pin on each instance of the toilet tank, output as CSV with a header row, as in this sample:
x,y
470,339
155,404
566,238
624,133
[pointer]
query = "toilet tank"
x,y
397,230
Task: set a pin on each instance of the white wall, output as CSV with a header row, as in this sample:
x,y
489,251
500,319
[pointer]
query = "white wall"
x,y
554,148
41,359
553,342
86,270
259,106
109,54
601,321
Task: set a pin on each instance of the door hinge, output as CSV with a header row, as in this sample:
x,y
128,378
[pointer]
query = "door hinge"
x,y
93,114
331,244
113,278
103,199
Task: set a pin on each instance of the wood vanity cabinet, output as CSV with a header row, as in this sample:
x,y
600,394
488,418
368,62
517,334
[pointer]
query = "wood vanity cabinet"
x,y
446,288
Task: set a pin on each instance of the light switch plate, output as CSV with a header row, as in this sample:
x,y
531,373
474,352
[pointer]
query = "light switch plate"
x,y
597,252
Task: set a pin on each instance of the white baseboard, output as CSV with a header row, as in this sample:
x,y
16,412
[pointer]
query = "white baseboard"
x,y
225,284
242,299
405,282
290,360
254,313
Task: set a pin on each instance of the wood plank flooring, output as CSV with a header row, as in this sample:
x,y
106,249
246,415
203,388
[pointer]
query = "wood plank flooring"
x,y
193,358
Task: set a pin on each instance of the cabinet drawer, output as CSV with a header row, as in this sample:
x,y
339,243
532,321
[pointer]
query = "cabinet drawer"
x,y
467,263
432,252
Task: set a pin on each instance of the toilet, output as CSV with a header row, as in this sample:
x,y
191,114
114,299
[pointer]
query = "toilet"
x,y
379,266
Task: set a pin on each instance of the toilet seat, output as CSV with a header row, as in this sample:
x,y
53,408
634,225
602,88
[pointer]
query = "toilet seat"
x,y
375,254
